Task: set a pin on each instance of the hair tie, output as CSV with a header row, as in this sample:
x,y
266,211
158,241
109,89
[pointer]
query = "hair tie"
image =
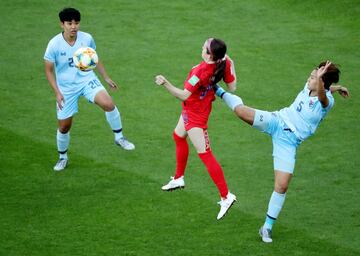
x,y
221,60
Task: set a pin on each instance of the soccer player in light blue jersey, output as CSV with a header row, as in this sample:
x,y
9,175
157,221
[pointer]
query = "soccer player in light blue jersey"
x,y
69,83
288,128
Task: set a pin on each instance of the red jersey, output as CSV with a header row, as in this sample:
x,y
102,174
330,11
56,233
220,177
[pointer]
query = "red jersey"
x,y
197,108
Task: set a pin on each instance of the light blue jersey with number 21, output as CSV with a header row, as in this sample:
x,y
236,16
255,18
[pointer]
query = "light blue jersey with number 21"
x,y
59,52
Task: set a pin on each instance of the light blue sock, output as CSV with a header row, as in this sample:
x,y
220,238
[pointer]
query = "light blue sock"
x,y
219,91
62,141
114,120
230,99
275,204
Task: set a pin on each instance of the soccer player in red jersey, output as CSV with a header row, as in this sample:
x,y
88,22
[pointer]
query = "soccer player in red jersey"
x,y
197,97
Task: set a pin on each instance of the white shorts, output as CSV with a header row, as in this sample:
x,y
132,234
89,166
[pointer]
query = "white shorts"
x,y
88,89
284,140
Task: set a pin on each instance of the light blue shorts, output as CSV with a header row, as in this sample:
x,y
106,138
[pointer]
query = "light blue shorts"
x,y
284,140
88,89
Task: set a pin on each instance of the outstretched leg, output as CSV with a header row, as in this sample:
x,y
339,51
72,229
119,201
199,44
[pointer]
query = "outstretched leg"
x,y
236,104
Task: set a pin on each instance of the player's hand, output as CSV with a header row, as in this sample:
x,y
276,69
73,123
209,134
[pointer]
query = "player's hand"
x,y
60,100
111,83
160,80
344,92
322,70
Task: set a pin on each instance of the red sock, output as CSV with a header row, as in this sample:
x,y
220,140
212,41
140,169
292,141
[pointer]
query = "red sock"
x,y
182,153
215,171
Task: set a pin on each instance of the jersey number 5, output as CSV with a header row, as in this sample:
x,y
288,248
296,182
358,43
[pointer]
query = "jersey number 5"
x,y
298,109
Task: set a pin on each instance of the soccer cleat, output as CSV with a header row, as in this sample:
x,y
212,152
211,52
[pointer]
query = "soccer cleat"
x,y
61,164
174,184
125,144
225,205
265,234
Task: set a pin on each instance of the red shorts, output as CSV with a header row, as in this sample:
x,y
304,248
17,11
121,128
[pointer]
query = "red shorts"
x,y
192,119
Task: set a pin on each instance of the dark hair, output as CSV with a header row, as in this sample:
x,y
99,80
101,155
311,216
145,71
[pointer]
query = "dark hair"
x,y
331,76
69,14
217,51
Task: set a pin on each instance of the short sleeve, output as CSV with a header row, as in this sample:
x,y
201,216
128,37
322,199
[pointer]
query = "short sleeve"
x,y
92,43
193,81
50,52
229,75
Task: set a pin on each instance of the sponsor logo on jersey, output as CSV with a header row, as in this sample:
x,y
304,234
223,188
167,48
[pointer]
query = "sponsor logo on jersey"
x,y
193,80
63,53
205,91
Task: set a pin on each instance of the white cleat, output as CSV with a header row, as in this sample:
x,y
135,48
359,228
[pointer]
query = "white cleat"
x,y
61,164
225,205
125,144
174,184
265,234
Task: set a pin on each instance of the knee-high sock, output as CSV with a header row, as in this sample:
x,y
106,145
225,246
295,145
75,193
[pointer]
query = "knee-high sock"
x,y
62,141
215,171
275,204
232,101
182,153
114,119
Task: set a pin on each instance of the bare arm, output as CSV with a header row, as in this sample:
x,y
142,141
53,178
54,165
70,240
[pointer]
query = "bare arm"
x,y
321,93
232,86
101,69
178,93
342,90
49,72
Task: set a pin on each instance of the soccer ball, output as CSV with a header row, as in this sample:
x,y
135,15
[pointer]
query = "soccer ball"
x,y
85,58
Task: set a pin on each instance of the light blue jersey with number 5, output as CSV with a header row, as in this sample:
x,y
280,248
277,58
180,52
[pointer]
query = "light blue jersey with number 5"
x,y
59,52
304,115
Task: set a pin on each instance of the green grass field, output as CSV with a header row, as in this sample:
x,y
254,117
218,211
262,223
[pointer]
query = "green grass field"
x,y
108,201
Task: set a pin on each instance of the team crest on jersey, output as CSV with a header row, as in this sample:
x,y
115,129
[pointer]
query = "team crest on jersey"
x,y
193,80
63,53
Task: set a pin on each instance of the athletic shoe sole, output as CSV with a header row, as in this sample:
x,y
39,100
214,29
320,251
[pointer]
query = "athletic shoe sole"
x,y
172,189
227,210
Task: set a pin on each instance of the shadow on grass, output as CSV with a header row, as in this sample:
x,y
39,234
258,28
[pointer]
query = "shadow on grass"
x,y
96,208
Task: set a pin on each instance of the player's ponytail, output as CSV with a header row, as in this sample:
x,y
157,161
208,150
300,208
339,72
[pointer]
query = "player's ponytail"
x,y
217,50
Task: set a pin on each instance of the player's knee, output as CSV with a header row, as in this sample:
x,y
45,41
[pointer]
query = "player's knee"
x,y
108,106
178,138
65,128
281,187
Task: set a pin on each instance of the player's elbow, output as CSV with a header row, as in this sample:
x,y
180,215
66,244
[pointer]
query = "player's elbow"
x,y
232,86
324,101
184,95
232,89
